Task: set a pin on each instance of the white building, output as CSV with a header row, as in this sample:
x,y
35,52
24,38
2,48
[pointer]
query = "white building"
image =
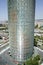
x,y
39,22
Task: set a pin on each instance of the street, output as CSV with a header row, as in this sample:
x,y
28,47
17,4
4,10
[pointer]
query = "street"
x,y
6,59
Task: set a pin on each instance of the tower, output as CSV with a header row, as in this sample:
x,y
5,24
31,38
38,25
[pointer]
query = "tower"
x,y
21,28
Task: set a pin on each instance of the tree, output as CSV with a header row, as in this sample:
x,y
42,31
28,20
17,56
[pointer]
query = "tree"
x,y
35,42
37,58
29,62
36,26
33,61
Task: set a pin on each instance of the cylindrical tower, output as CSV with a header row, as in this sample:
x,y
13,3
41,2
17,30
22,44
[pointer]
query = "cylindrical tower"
x,y
21,28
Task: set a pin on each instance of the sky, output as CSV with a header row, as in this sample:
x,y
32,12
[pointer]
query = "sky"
x,y
39,9
4,10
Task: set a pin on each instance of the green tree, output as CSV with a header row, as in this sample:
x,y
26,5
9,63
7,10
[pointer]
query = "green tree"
x,y
37,58
33,61
35,42
29,62
36,26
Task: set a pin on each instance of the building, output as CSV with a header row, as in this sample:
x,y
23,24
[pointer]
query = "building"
x,y
21,28
39,22
38,51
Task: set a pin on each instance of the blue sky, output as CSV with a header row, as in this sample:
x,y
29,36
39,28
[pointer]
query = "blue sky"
x,y
4,10
39,9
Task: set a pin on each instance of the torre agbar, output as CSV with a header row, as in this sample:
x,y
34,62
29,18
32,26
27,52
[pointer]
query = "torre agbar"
x,y
21,15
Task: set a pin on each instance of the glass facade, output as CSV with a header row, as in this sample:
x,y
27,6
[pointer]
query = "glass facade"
x,y
21,28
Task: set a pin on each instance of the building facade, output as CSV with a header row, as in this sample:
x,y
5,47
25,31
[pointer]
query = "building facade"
x,y
21,28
